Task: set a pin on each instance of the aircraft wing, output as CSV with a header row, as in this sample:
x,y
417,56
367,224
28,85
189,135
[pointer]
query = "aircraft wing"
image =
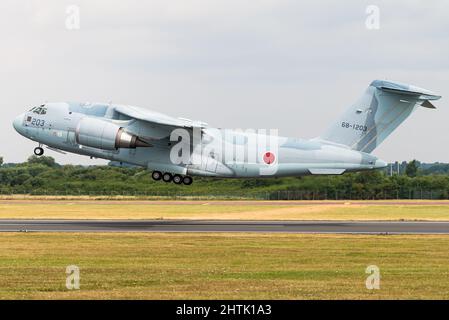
x,y
157,118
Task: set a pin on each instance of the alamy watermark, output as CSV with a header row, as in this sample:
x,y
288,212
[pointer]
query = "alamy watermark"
x,y
206,149
372,21
373,280
72,20
72,281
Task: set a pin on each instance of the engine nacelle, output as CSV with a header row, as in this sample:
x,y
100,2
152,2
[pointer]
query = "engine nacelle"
x,y
97,133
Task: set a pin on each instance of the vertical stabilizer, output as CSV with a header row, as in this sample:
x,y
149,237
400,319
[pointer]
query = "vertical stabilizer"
x,y
375,115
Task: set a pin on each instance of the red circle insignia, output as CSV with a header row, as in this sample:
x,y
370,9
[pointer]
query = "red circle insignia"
x,y
268,157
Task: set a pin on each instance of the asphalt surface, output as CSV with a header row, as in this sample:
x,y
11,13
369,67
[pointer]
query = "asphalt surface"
x,y
370,227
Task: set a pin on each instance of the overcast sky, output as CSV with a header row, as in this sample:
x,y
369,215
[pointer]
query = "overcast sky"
x,y
291,65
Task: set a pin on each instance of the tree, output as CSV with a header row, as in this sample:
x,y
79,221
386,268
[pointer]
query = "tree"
x,y
46,161
411,169
1,161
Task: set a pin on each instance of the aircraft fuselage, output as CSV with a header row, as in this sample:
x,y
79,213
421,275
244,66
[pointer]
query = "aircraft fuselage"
x,y
219,153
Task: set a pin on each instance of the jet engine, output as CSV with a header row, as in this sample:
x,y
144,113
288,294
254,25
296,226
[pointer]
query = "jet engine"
x,y
105,135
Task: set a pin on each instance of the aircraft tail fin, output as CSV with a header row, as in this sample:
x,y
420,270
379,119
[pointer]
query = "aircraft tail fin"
x,y
381,109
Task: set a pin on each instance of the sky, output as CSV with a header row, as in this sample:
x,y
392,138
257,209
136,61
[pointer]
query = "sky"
x,y
289,65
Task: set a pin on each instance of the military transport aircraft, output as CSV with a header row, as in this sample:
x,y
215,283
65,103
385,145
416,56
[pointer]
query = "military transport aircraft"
x,y
176,148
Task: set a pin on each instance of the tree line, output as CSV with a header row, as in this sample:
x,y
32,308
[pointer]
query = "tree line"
x,y
43,176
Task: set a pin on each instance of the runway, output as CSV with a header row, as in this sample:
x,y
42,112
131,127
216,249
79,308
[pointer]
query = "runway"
x,y
359,227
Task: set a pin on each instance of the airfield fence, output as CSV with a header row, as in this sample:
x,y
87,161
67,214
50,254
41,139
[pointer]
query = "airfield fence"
x,y
331,194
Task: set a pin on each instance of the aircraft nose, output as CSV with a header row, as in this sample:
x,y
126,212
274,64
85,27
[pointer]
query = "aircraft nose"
x,y
17,123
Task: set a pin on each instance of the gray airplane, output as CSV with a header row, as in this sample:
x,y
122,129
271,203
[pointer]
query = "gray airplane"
x,y
175,149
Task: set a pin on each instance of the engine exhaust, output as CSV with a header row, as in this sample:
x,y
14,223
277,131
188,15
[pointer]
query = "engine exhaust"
x,y
129,141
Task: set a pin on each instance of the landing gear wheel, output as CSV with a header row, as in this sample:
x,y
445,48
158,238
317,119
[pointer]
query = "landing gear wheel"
x,y
177,179
167,177
187,180
156,175
38,151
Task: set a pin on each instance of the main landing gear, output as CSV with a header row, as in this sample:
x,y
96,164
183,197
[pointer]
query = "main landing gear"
x,y
168,177
39,151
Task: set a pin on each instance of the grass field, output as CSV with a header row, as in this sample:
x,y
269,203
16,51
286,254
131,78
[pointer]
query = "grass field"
x,y
222,266
37,209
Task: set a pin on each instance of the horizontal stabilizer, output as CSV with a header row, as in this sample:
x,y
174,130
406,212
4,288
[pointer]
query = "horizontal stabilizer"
x,y
327,171
405,89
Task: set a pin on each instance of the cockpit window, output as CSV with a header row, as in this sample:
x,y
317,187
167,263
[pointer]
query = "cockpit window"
x,y
39,110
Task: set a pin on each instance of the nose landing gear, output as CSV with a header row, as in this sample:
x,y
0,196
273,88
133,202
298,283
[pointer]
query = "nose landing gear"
x,y
168,177
39,151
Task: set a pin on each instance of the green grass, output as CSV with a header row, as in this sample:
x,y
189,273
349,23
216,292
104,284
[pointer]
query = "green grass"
x,y
222,266
35,209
